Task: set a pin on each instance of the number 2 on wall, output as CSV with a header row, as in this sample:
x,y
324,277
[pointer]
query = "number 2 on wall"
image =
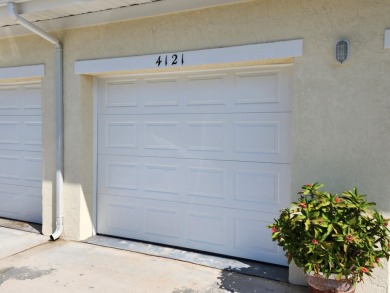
x,y
170,60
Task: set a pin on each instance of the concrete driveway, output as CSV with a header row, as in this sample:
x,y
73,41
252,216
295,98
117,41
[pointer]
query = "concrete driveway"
x,y
29,262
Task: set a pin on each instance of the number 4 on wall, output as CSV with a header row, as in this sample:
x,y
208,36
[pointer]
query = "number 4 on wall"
x,y
170,60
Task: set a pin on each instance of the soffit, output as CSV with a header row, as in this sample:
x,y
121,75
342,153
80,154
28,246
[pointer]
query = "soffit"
x,y
59,14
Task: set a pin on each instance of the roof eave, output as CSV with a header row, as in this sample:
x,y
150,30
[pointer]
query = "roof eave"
x,y
102,17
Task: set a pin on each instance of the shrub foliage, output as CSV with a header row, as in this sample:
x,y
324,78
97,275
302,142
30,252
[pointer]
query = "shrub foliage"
x,y
333,235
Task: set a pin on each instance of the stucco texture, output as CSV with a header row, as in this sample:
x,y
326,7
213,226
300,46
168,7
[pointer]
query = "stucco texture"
x,y
340,113
33,50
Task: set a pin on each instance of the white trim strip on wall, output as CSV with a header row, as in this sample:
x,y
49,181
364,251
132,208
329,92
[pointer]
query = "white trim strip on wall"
x,y
245,53
22,71
387,38
95,152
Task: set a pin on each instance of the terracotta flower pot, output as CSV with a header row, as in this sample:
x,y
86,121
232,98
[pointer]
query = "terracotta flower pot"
x,y
319,284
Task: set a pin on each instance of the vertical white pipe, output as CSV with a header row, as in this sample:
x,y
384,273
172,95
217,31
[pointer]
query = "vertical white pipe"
x,y
59,146
59,114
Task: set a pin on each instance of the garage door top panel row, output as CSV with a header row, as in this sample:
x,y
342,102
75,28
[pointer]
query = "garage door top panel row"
x,y
20,99
215,91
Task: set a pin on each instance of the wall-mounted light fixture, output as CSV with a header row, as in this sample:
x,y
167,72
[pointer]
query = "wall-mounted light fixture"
x,y
341,51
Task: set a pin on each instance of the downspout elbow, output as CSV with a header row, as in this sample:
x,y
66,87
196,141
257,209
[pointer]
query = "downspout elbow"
x,y
59,229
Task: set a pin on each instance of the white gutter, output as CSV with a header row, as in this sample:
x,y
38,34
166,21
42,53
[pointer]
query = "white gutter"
x,y
59,113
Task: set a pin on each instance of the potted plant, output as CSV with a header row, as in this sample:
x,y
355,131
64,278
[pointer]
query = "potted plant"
x,y
337,240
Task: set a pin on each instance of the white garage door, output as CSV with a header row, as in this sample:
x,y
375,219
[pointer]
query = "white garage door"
x,y
20,152
196,159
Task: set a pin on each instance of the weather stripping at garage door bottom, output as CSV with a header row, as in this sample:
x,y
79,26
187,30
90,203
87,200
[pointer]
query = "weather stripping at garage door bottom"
x,y
247,267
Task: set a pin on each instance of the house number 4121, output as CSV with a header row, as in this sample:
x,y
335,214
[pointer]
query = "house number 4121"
x,y
170,60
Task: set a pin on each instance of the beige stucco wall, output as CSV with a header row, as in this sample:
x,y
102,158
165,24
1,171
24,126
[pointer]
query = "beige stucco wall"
x,y
340,116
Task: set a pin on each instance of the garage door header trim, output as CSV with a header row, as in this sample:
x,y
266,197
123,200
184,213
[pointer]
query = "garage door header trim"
x,y
22,71
245,53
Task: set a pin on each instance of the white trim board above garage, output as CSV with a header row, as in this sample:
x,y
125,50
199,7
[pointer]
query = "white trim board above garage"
x,y
245,53
29,71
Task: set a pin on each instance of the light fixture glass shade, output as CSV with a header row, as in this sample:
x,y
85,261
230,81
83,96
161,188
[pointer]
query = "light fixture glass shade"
x,y
342,51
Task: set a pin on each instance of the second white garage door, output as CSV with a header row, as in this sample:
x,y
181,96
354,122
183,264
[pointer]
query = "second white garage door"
x,y
196,159
20,152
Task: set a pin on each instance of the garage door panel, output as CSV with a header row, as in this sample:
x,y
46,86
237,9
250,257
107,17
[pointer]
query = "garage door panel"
x,y
252,238
10,166
161,136
9,132
20,99
9,99
207,183
162,221
257,87
32,137
207,137
207,90
123,218
244,185
8,195
118,94
160,92
32,167
21,202
215,235
20,133
213,91
229,231
31,99
31,204
161,180
262,137
21,168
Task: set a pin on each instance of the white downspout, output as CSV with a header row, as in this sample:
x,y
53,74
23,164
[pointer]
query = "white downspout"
x,y
59,114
